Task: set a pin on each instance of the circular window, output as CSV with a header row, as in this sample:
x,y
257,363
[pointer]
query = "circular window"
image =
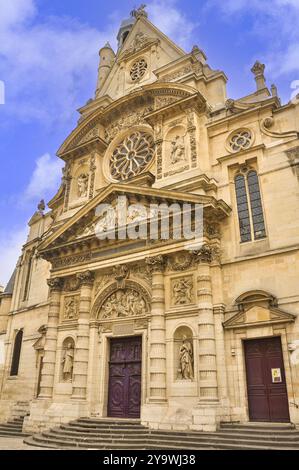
x,y
240,140
138,69
132,156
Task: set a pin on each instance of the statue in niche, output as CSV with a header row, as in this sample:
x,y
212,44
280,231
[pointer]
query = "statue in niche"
x,y
124,303
70,308
68,362
82,185
186,359
177,152
182,291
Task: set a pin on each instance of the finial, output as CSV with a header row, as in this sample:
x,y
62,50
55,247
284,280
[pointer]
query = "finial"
x,y
139,12
41,206
274,90
258,71
199,54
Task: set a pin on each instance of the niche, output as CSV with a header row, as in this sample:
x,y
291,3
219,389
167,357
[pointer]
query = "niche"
x,y
183,354
67,360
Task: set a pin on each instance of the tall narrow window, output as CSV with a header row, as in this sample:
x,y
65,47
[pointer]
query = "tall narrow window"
x,y
16,353
250,210
256,205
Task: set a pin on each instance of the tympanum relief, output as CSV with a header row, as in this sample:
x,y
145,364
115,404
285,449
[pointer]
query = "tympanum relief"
x,y
123,303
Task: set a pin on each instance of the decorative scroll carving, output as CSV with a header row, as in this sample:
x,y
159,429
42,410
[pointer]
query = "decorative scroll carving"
x,y
182,291
138,69
71,284
92,169
156,263
293,157
266,125
55,283
121,272
180,261
124,303
196,68
69,260
71,307
86,278
191,131
125,122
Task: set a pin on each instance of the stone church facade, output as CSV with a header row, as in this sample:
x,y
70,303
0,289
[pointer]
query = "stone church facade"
x,y
137,328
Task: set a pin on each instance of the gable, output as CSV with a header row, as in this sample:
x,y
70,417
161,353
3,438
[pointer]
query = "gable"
x,y
258,316
144,43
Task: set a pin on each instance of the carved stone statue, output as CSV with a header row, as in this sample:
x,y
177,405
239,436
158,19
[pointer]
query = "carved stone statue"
x,y
68,363
186,359
82,185
177,150
182,291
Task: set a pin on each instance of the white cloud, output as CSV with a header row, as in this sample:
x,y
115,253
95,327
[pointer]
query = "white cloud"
x,y
47,66
11,246
276,22
45,177
172,21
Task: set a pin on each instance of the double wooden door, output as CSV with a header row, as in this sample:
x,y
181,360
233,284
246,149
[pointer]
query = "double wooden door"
x,y
125,377
266,383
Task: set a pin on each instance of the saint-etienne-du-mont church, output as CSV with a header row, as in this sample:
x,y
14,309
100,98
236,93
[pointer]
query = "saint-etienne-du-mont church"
x,y
178,334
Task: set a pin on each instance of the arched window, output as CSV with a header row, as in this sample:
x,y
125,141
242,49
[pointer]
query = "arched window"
x,y
16,353
250,210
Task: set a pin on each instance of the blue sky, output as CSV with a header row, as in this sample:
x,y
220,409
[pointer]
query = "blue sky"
x,y
48,63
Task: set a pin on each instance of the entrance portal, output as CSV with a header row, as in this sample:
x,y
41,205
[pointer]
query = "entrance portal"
x,y
266,383
125,378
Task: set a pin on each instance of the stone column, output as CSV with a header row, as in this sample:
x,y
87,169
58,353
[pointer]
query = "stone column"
x,y
48,371
80,371
157,348
204,417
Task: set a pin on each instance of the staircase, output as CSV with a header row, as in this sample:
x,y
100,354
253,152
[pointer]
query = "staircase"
x,y
13,427
124,434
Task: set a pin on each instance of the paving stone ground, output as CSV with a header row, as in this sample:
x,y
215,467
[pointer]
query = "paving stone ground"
x,y
16,443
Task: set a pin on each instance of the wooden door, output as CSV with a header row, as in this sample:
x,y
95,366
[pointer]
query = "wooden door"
x,y
125,378
266,383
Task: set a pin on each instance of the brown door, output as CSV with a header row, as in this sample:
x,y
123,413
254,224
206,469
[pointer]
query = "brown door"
x,y
125,378
266,384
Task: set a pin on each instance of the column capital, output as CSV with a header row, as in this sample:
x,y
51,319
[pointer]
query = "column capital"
x,y
156,264
55,283
86,278
203,255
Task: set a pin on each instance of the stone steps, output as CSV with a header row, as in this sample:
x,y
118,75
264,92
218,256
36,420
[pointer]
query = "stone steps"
x,y
124,434
13,428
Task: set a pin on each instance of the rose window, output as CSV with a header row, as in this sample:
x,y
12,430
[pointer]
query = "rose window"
x,y
132,156
241,140
138,69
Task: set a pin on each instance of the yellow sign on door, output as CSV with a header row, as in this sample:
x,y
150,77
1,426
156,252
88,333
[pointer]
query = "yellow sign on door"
x,y
276,375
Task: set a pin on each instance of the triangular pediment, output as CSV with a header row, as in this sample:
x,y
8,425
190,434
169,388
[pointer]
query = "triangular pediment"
x,y
144,41
81,227
258,316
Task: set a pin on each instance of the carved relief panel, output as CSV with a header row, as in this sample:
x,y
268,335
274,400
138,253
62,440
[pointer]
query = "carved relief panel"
x,y
70,308
176,148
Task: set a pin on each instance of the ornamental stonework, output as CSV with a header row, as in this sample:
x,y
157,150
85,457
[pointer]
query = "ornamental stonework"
x,y
123,303
71,307
182,291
